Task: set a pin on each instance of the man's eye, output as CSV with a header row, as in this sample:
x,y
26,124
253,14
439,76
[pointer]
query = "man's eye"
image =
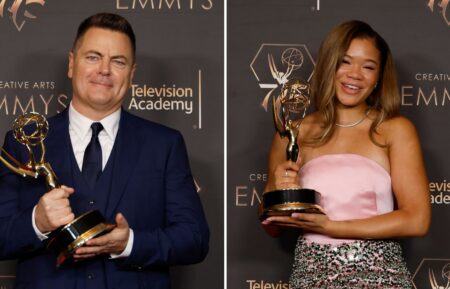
x,y
119,63
92,58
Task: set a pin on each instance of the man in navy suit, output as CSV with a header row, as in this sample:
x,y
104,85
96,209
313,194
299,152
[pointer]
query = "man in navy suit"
x,y
144,184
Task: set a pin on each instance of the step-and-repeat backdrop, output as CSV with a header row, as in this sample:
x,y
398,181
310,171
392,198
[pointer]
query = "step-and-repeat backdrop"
x,y
178,82
418,33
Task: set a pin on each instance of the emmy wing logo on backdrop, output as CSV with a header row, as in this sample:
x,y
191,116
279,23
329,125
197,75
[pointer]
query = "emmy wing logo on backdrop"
x,y
274,64
433,274
14,11
443,4
445,275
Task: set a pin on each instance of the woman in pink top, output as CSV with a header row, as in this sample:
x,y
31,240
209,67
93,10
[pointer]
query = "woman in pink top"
x,y
366,162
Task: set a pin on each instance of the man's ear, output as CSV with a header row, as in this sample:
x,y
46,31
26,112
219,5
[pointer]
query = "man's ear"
x,y
70,68
133,69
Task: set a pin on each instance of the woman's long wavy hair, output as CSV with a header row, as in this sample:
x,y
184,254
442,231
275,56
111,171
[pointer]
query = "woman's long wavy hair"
x,y
385,97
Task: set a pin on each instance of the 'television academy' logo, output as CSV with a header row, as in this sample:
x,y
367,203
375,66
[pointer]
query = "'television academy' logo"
x,y
440,192
443,4
274,64
185,99
18,11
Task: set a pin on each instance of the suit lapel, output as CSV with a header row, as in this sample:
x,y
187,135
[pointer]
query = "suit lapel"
x,y
127,151
58,148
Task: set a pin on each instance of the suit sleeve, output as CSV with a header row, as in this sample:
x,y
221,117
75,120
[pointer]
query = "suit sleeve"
x,y
184,239
17,236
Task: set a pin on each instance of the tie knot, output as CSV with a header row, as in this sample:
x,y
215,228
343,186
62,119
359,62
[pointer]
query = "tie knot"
x,y
96,128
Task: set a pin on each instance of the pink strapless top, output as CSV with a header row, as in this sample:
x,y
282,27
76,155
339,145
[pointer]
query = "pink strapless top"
x,y
351,187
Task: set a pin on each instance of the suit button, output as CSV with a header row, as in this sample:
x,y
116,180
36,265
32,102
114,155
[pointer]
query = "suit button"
x,y
91,202
90,276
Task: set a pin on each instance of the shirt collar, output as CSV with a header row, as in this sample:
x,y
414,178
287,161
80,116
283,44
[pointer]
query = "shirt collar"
x,y
81,124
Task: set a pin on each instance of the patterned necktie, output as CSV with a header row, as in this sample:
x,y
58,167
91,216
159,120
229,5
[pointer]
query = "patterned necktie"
x,y
92,160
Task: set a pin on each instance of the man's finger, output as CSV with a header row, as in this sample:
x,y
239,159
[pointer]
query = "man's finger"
x,y
121,221
83,256
67,219
99,241
60,193
89,250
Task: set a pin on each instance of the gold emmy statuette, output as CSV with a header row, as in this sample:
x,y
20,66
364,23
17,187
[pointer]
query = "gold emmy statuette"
x,y
66,239
289,109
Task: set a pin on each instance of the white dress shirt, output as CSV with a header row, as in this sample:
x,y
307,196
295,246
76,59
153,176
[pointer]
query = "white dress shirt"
x,y
80,135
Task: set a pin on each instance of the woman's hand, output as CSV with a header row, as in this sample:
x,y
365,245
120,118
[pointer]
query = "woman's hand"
x,y
318,223
285,176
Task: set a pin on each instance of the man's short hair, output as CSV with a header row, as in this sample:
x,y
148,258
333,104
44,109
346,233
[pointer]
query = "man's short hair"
x,y
109,21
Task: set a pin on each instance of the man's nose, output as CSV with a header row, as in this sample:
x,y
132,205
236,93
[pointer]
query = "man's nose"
x,y
105,67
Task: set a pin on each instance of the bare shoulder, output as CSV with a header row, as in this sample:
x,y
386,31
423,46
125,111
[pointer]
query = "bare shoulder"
x,y
311,125
398,130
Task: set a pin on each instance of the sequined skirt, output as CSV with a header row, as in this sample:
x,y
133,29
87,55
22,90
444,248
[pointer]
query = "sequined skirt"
x,y
360,264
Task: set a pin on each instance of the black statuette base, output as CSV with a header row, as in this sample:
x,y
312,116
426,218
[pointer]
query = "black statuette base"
x,y
285,202
66,239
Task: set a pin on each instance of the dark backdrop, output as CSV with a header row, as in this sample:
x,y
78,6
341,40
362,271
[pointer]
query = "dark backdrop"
x,y
179,51
418,33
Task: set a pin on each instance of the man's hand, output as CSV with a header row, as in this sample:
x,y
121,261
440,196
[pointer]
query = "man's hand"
x,y
114,242
53,209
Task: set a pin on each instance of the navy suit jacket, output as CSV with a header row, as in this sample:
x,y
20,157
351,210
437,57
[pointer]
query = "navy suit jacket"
x,y
152,186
